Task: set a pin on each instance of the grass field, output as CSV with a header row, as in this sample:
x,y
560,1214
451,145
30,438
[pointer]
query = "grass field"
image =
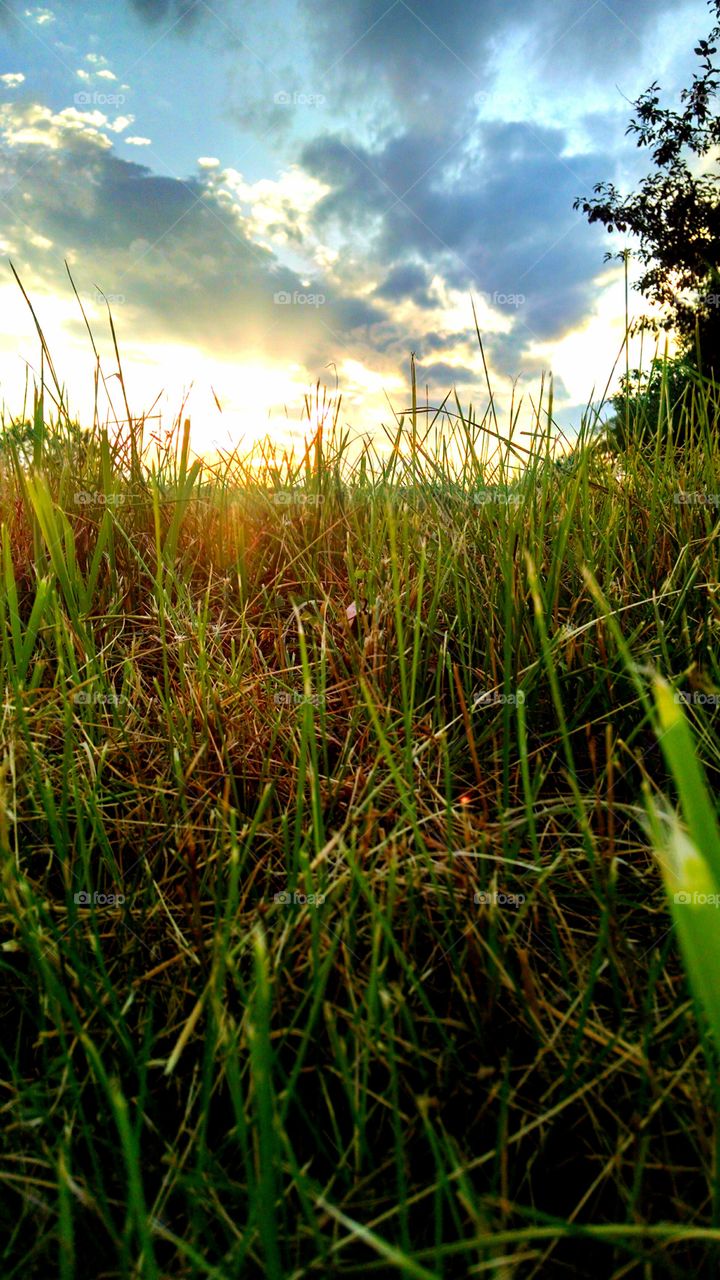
x,y
332,938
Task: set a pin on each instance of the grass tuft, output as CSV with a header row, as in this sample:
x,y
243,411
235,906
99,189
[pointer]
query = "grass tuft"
x,y
332,938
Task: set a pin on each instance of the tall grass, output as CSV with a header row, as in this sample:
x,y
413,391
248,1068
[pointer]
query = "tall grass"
x,y
333,940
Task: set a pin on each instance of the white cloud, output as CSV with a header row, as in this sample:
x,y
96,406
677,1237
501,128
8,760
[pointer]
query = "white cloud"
x,y
105,74
34,125
40,16
120,123
139,142
208,162
276,210
12,79
82,75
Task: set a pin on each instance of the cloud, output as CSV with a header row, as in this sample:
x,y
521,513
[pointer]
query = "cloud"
x,y
182,16
17,8
184,260
495,221
35,125
277,210
12,79
438,341
411,280
182,13
441,374
432,57
414,204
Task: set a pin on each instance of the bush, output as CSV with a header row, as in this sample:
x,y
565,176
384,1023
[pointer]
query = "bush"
x,y
658,400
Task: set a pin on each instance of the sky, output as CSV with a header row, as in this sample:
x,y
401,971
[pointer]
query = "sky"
x,y
272,194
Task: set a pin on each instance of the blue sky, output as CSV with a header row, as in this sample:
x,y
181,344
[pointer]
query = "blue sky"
x,y
275,193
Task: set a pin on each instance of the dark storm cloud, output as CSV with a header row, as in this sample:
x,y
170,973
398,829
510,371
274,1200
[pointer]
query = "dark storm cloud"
x,y
408,281
445,375
355,313
431,53
183,14
192,17
156,10
502,227
485,204
434,341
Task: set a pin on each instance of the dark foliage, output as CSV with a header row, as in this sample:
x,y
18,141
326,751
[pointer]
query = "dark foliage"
x,y
675,213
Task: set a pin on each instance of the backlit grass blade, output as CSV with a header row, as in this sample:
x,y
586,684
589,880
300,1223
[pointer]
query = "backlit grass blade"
x,y
698,807
24,638
689,857
59,542
694,897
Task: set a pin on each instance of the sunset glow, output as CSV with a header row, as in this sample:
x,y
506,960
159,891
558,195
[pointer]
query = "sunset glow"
x,y
256,231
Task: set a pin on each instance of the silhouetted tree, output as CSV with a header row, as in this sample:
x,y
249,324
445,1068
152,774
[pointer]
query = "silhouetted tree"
x,y
675,214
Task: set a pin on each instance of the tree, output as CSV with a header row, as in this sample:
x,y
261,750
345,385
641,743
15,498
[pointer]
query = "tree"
x,y
675,214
